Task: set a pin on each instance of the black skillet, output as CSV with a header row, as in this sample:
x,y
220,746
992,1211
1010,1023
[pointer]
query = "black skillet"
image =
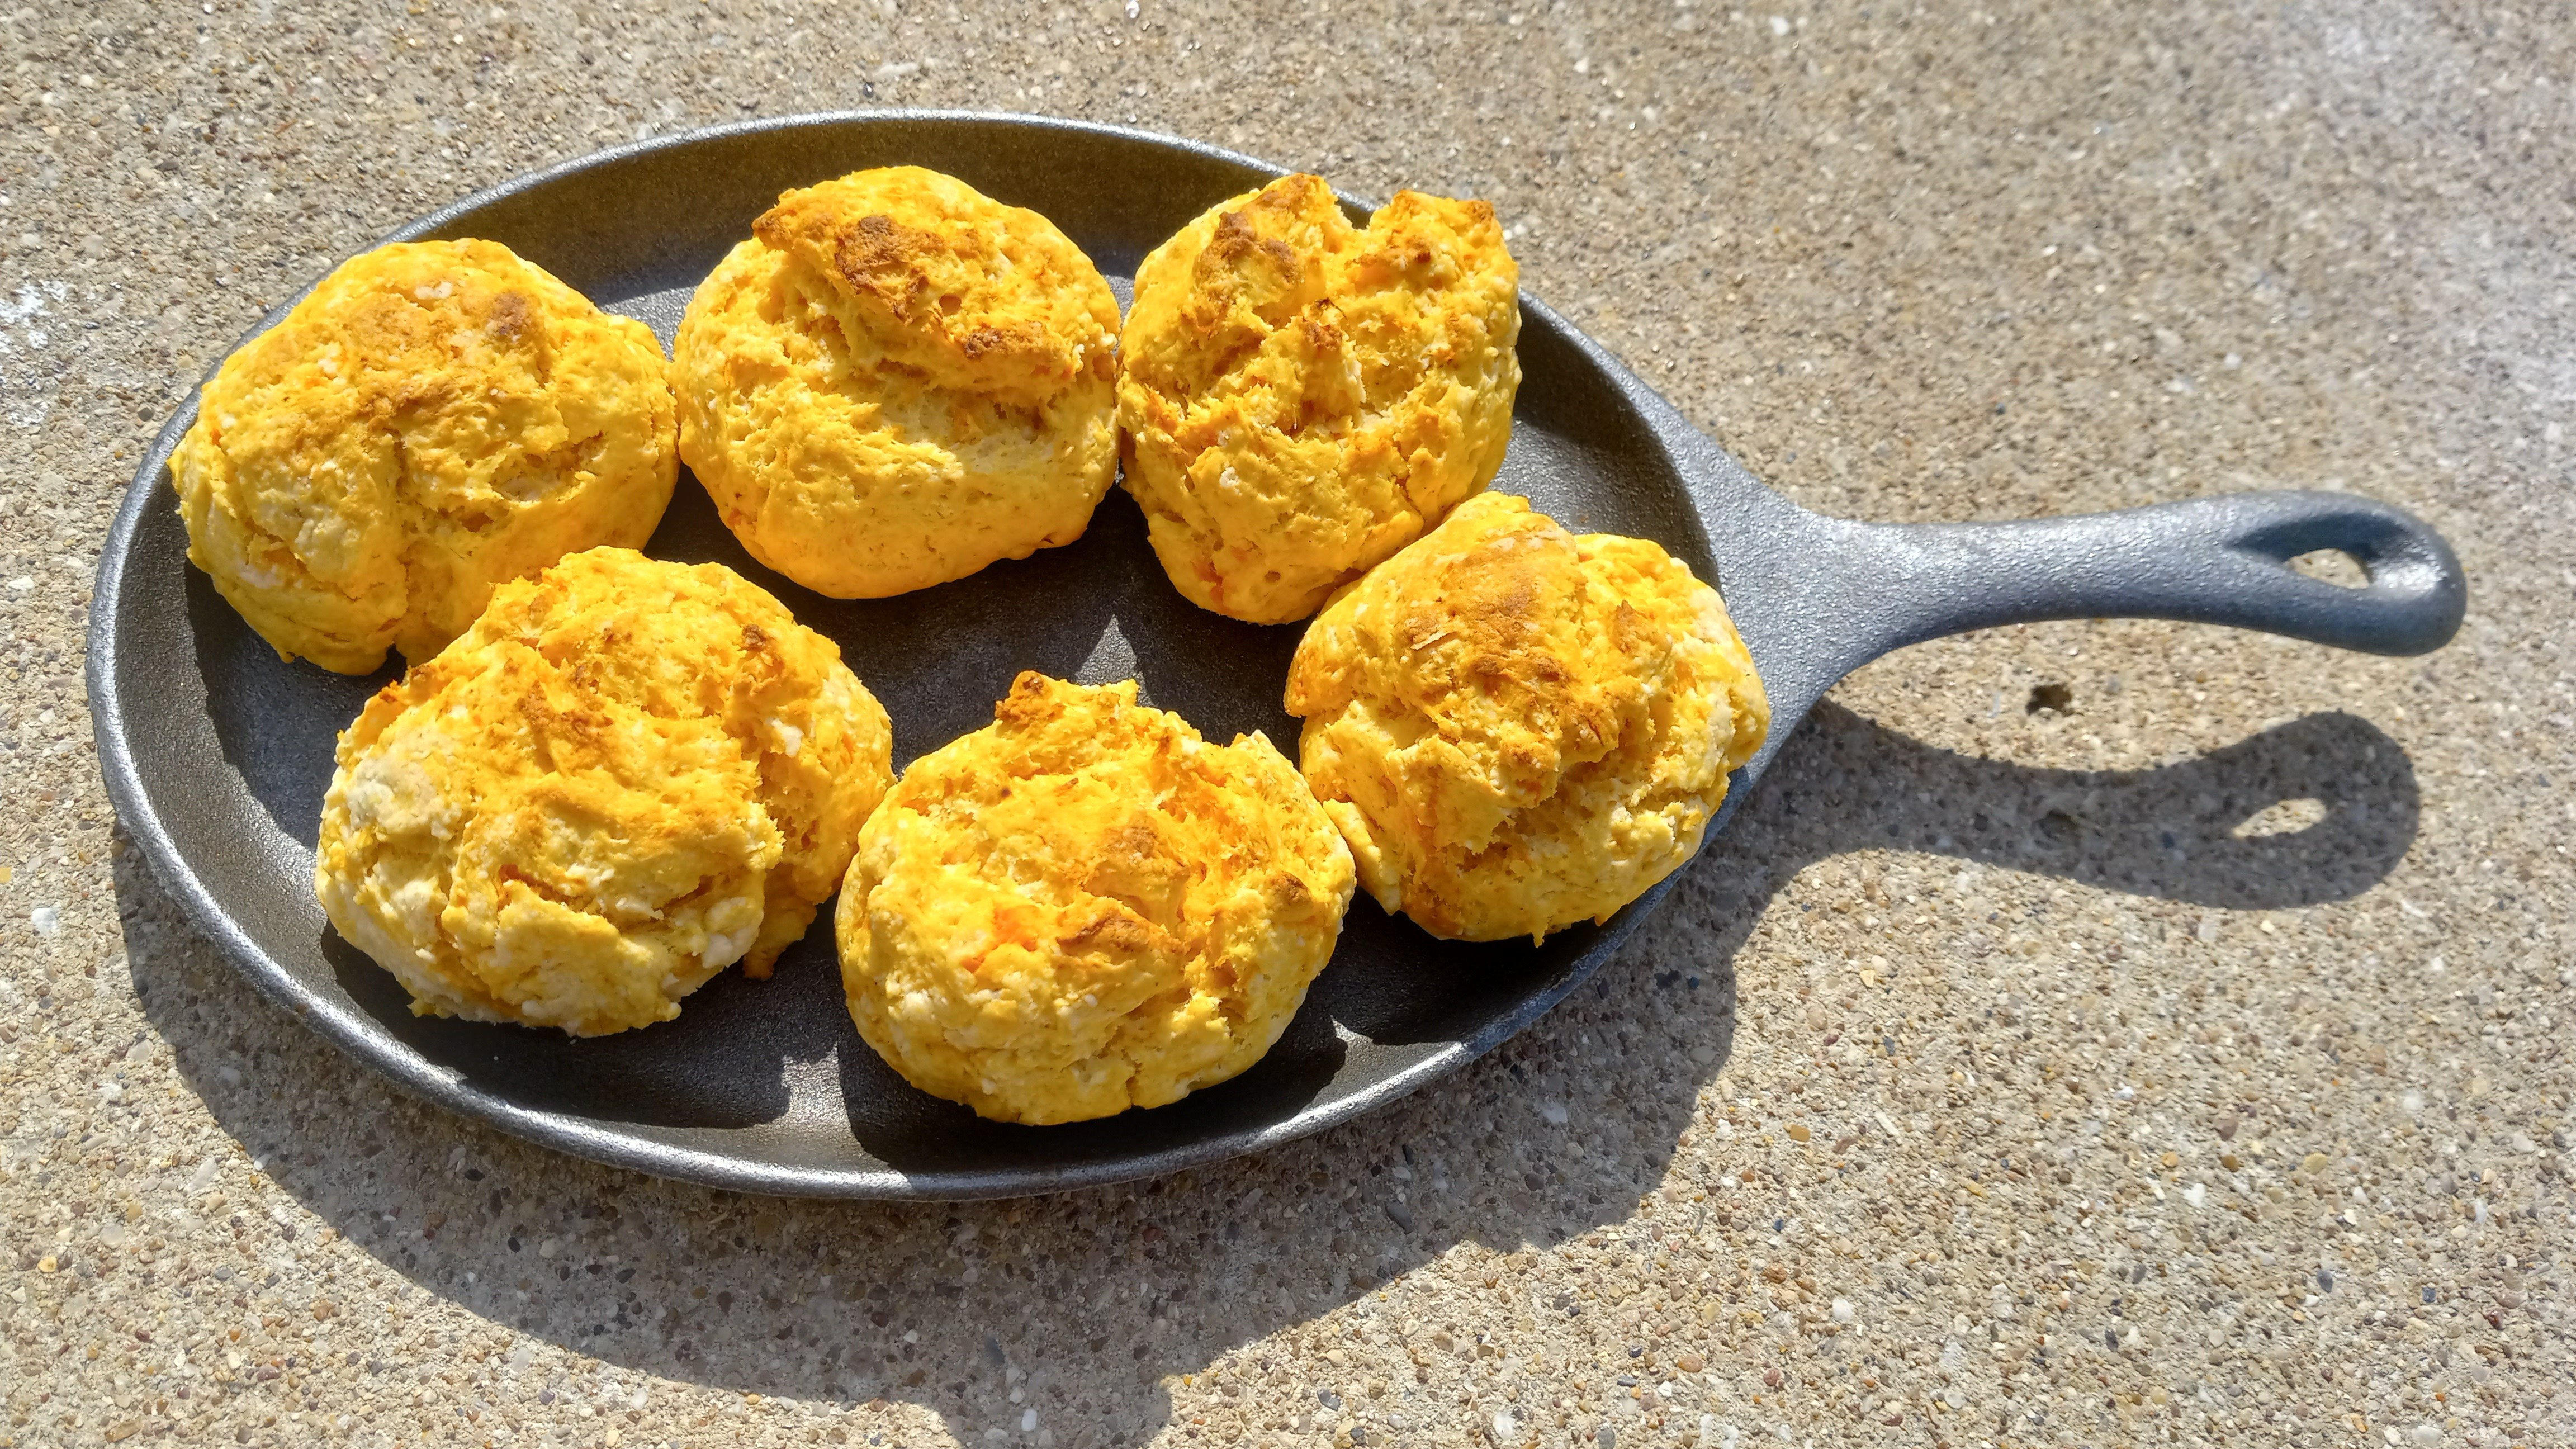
x,y
217,754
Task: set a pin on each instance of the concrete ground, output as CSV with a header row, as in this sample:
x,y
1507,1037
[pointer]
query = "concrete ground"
x,y
2185,1064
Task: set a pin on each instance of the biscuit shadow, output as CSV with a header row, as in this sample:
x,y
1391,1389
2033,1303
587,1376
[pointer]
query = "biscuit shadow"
x,y
724,1063
266,711
1402,986
1079,1306
912,1131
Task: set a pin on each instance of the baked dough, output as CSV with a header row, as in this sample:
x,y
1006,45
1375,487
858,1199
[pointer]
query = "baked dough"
x,y
1299,399
1518,728
1085,907
897,381
625,777
436,418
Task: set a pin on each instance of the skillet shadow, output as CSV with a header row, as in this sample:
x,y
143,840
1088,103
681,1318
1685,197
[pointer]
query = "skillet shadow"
x,y
1079,1306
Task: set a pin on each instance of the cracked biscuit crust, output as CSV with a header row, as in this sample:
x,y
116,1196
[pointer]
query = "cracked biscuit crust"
x,y
898,381
625,777
1085,907
1518,728
1299,398
435,419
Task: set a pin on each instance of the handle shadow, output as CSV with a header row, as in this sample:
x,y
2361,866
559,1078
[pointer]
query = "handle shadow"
x,y
2192,831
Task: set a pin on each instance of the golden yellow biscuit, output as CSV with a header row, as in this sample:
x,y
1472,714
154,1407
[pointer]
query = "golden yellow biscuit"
x,y
1518,728
436,418
897,381
1299,399
626,776
1085,907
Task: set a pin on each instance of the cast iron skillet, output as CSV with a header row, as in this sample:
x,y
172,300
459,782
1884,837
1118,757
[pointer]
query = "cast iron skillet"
x,y
217,754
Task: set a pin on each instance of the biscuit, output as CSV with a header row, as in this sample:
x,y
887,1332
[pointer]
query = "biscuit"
x,y
897,381
626,776
1518,728
1299,399
434,419
1084,907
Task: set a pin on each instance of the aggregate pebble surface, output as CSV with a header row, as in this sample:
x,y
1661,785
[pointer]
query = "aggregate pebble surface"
x,y
2093,1034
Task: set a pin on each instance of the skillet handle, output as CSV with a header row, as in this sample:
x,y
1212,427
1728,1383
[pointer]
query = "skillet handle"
x,y
1817,597
2219,560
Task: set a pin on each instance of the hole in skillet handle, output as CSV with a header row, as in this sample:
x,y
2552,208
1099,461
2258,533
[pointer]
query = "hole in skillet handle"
x,y
2409,598
2333,566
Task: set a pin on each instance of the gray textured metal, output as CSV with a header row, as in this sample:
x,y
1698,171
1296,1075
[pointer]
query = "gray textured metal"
x,y
217,755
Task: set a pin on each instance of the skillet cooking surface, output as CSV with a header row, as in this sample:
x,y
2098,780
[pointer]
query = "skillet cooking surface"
x,y
220,753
